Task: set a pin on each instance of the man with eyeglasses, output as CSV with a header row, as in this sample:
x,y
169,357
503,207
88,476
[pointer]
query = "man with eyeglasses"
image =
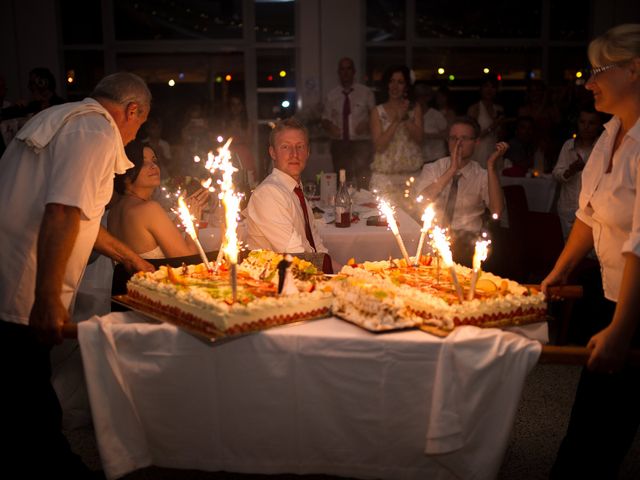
x,y
461,189
56,178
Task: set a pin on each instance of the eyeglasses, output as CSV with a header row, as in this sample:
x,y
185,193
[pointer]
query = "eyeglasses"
x,y
463,138
595,71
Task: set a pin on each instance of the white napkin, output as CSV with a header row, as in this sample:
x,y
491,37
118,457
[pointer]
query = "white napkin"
x,y
40,129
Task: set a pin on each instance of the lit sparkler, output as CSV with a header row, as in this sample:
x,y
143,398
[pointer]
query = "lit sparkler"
x,y
479,256
441,244
387,211
185,217
427,219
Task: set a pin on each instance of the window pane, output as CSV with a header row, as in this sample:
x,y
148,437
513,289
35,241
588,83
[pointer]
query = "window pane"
x,y
464,68
570,20
200,83
81,21
173,19
275,21
565,62
462,19
276,68
385,20
85,69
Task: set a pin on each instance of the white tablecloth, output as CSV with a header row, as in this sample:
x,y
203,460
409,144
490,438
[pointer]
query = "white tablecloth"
x,y
359,240
319,397
365,242
540,191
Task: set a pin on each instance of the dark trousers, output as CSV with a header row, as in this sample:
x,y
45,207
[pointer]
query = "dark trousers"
x,y
355,157
603,423
31,416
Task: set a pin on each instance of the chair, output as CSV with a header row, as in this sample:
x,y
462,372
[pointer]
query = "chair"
x,y
509,244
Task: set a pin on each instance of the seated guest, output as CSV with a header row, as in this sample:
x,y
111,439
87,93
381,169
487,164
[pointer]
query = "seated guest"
x,y
142,223
278,217
524,152
461,188
571,161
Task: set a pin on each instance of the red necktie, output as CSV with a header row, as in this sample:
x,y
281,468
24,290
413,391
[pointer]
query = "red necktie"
x,y
346,111
307,226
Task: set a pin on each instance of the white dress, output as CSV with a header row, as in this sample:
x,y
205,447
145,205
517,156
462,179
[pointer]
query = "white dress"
x,y
392,168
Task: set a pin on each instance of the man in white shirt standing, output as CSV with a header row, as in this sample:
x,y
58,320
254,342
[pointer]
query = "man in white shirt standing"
x,y
346,120
461,189
56,178
278,216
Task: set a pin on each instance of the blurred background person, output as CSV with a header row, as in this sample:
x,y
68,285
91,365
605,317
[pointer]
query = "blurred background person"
x,y
236,124
571,161
397,132
445,105
489,116
345,118
435,126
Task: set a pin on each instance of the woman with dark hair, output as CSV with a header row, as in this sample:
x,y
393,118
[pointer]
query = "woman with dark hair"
x,y
142,223
397,132
489,116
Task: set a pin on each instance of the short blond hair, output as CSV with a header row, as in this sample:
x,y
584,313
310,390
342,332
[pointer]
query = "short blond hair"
x,y
290,123
619,44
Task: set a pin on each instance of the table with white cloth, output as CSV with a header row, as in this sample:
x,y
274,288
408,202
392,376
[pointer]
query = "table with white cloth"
x,y
360,240
321,397
540,191
366,242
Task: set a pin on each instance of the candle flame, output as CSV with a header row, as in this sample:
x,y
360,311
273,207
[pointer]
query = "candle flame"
x,y
441,244
387,211
480,254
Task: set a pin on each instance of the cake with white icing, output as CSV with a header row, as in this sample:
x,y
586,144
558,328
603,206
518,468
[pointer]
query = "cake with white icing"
x,y
202,301
388,295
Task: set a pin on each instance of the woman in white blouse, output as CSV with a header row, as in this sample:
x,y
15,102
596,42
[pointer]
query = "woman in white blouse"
x,y
606,412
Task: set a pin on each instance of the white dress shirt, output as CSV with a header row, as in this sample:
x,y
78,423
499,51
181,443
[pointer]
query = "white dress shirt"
x,y
434,123
275,220
71,161
609,203
361,101
472,198
570,187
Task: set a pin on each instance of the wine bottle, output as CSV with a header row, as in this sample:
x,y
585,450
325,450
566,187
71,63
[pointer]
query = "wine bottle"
x,y
343,203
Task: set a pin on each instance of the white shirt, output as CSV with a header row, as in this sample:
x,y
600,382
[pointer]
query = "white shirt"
x,y
472,198
570,187
434,123
76,168
275,220
609,203
361,101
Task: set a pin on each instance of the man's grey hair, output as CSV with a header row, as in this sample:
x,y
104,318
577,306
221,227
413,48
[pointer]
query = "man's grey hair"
x,y
123,87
